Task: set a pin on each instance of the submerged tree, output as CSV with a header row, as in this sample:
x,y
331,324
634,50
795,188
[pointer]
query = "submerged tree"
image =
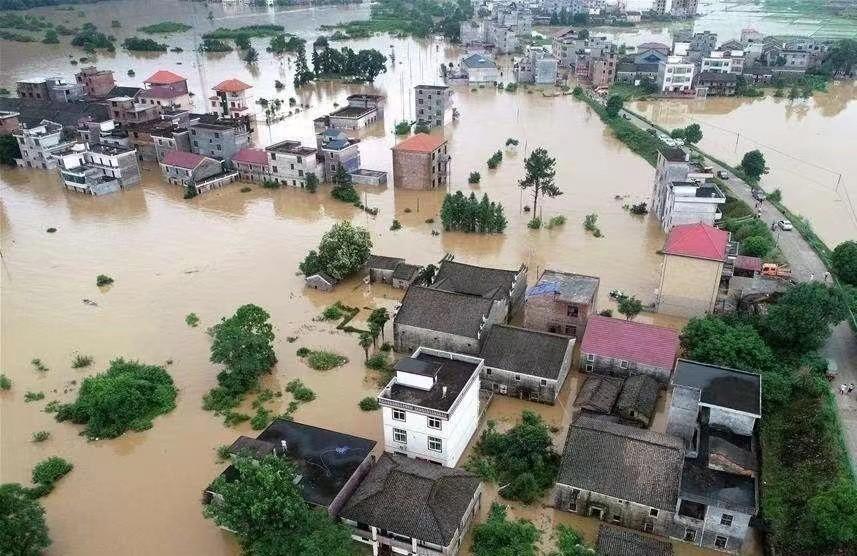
x,y
23,531
541,170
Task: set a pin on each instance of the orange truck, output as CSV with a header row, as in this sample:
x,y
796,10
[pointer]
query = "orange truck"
x,y
773,270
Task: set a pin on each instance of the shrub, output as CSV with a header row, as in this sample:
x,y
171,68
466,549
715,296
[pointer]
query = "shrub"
x,y
396,225
512,142
469,214
378,361
246,189
33,396
103,280
590,224
535,223
219,399
50,470
606,312
261,419
325,360
299,390
164,27
844,261
403,128
5,382
775,196
555,221
41,436
223,453
639,208
332,312
128,395
756,246
303,351
386,346
232,418
495,160
52,406
81,361
474,177
192,320
38,365
136,44
345,193
369,404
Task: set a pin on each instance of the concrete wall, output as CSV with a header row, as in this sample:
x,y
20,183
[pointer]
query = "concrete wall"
x,y
407,338
612,367
547,313
531,387
620,512
688,286
738,423
413,170
351,485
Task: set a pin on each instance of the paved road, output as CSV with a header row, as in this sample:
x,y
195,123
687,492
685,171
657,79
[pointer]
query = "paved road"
x,y
805,266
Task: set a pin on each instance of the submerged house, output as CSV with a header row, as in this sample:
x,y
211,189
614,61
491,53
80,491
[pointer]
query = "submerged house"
x,y
412,507
637,401
391,270
599,394
618,541
330,464
561,303
505,288
525,363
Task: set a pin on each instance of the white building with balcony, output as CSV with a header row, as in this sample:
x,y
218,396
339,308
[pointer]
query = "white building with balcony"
x,y
675,75
231,99
39,143
430,407
716,63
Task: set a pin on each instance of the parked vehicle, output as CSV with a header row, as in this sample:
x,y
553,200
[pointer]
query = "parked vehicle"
x,y
772,270
759,195
785,225
617,294
723,174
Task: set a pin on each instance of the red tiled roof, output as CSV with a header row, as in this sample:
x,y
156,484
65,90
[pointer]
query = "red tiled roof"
x,y
699,241
421,142
232,86
164,77
183,159
251,156
748,263
630,341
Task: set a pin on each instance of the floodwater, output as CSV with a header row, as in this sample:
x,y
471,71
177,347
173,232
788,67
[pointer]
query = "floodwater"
x,y
808,144
140,494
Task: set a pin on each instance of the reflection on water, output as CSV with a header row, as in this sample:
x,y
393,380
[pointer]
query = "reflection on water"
x,y
808,145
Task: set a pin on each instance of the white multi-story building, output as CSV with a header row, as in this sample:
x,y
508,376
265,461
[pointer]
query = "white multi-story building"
x,y
98,169
716,63
675,75
231,99
290,163
684,192
430,407
39,143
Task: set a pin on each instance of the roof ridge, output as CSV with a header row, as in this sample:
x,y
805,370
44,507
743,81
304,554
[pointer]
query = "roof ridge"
x,y
613,432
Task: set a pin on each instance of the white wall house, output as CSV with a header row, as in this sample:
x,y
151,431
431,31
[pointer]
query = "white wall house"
x,y
290,163
675,75
430,408
716,63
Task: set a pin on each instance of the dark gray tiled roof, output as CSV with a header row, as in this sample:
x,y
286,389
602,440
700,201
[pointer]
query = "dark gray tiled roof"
x,y
65,113
598,394
493,283
617,541
721,386
405,271
701,484
674,154
624,462
525,351
478,61
640,394
413,498
443,311
383,263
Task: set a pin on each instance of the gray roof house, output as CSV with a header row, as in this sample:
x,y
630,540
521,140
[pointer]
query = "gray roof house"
x,y
617,541
619,473
413,505
599,394
321,281
526,363
638,399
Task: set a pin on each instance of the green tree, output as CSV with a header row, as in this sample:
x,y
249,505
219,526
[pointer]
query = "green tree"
x,y
756,246
844,260
244,345
753,164
242,41
735,344
379,316
341,177
630,307
800,321
311,182
833,514
541,171
499,536
9,150
263,506
570,543
614,105
693,134
23,531
51,37
128,395
365,340
251,56
842,57
342,251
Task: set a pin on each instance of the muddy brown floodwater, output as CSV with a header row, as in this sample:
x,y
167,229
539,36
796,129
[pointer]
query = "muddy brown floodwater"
x,y
140,494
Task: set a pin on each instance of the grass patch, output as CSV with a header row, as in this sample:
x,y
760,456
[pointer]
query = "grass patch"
x,y
261,419
33,396
164,27
49,471
300,391
369,404
322,360
81,361
332,312
245,31
232,418
41,436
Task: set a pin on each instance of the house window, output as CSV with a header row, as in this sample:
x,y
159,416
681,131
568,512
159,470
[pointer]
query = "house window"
x,y
571,330
488,372
400,436
720,542
590,357
653,512
398,415
617,518
648,527
590,367
517,378
726,520
434,423
690,535
623,364
544,382
435,444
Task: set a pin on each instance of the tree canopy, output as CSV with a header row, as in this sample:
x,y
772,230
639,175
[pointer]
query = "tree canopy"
x,y
467,214
264,508
9,150
711,339
800,321
541,171
614,105
128,395
23,531
342,251
753,164
498,536
630,306
244,345
844,260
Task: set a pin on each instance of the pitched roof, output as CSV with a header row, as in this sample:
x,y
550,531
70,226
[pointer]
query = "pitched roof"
x,y
413,498
183,159
674,154
639,394
482,281
598,394
164,77
248,155
478,61
623,462
124,91
231,86
631,341
618,541
405,271
420,143
721,386
382,262
699,241
744,262
443,311
525,351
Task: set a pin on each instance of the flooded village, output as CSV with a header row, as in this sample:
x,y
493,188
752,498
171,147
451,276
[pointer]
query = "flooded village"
x,y
195,183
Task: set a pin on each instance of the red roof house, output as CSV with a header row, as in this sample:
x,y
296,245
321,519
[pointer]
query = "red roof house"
x,y
421,143
232,86
164,77
183,159
698,241
257,157
634,346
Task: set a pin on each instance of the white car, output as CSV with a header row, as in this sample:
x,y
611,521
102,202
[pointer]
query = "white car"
x,y
785,225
